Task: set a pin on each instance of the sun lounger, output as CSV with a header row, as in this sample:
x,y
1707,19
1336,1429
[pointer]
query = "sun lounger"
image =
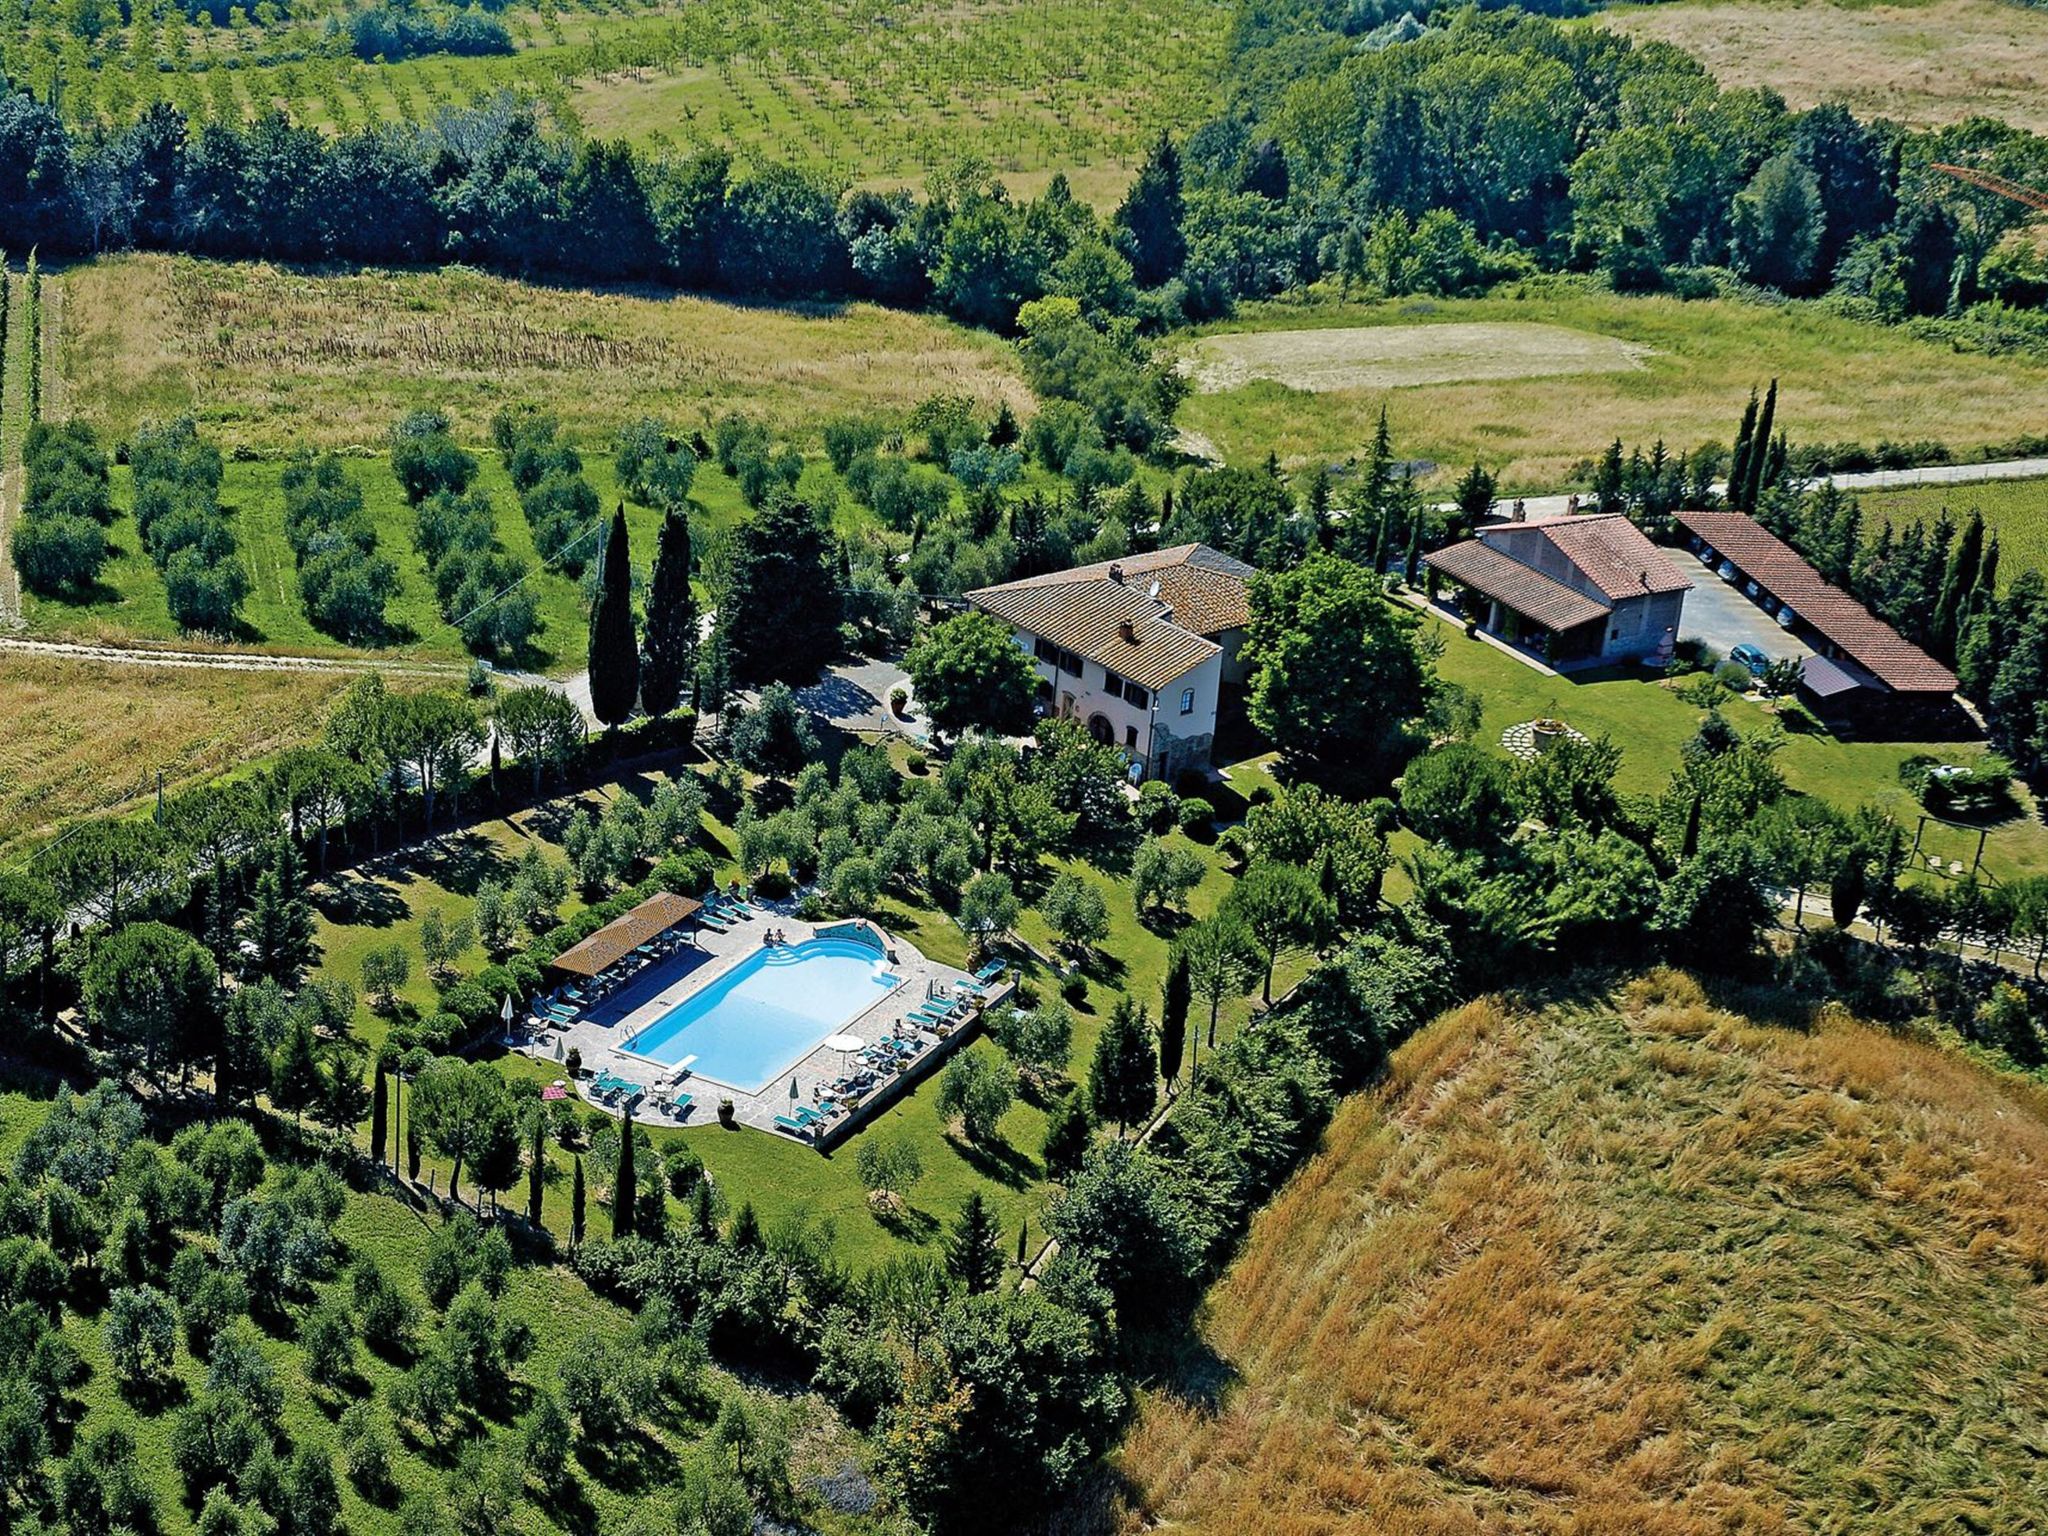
x,y
680,1102
707,920
791,1124
990,972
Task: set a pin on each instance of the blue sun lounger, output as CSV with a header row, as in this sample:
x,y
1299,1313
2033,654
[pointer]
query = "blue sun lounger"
x,y
791,1124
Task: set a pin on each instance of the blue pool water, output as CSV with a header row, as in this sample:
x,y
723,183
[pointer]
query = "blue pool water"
x,y
768,1012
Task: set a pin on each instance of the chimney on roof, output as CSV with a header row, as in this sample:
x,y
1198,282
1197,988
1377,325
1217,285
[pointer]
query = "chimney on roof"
x,y
1116,572
1129,631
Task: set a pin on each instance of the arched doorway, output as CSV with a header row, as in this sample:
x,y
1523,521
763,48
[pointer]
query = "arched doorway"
x,y
1100,728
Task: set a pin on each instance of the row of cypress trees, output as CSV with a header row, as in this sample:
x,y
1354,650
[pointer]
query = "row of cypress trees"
x,y
623,675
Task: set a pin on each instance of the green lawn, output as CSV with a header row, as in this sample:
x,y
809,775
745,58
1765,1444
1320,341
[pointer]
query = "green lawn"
x,y
2016,510
1649,721
782,1178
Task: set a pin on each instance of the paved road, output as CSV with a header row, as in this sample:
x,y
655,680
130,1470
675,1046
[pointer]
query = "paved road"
x,y
226,661
1869,480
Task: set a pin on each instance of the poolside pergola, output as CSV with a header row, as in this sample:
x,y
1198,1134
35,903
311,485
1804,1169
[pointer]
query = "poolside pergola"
x,y
619,938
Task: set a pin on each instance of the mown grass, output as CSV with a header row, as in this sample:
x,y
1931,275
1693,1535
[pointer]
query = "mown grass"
x,y
267,358
1649,721
2017,510
1631,1264
1919,62
1839,380
88,736
386,904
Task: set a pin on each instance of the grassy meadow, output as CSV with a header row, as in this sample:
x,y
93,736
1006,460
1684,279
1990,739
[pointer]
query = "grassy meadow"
x,y
2017,510
266,358
1630,1263
1839,380
1922,63
85,736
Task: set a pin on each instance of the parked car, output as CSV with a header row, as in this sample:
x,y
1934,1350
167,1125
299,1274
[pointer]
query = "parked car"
x,y
1753,657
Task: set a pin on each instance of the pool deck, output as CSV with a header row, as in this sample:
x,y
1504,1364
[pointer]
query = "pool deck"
x,y
602,1031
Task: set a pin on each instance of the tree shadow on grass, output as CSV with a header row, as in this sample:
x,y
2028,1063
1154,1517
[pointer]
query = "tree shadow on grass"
x,y
909,1223
465,862
350,900
1003,1164
569,1507
635,1464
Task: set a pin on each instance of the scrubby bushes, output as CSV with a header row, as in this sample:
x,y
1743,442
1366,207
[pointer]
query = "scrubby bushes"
x,y
178,515
60,541
343,580
480,588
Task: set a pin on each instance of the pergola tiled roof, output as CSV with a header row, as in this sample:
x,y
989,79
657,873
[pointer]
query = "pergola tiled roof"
x,y
1109,613
1507,581
620,937
1854,630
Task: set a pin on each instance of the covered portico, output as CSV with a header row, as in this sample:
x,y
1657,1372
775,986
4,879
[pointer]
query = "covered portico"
x,y
1521,605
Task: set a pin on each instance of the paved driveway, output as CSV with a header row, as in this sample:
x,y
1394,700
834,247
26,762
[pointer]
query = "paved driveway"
x,y
1719,615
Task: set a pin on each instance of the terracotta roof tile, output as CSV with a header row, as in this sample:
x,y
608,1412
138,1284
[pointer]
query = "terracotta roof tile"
x,y
1523,588
1201,592
1612,553
1858,633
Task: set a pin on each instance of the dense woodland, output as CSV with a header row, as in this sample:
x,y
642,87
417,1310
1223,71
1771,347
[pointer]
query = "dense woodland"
x,y
1403,157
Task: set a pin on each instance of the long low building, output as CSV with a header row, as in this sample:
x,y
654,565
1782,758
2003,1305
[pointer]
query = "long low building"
x,y
1576,590
1866,674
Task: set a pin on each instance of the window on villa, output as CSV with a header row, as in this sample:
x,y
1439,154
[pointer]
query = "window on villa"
x,y
1187,701
1137,695
1070,663
1131,737
1112,682
1046,652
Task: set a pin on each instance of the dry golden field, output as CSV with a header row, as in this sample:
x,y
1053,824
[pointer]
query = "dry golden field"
x,y
89,736
266,356
1634,1265
1919,64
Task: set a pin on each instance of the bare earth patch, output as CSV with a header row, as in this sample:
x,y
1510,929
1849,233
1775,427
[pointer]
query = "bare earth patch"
x,y
1923,65
1400,356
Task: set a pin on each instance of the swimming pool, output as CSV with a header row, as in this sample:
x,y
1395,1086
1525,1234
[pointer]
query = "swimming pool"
x,y
768,1012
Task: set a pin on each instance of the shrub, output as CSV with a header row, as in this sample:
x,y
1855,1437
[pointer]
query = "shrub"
x,y
1196,815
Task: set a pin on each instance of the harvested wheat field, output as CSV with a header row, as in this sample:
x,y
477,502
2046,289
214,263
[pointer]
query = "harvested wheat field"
x,y
91,736
1398,356
1635,1265
1922,65
267,356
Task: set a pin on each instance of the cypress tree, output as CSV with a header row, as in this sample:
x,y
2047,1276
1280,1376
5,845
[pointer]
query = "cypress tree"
x,y
625,1186
1738,465
1760,449
671,619
536,1164
1121,1081
412,1150
1023,1241
1068,1131
1957,583
971,1255
1175,995
1412,566
614,653
378,1128
576,1206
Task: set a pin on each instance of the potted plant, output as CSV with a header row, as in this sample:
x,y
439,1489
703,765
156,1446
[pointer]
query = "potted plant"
x,y
725,1116
1546,731
899,701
